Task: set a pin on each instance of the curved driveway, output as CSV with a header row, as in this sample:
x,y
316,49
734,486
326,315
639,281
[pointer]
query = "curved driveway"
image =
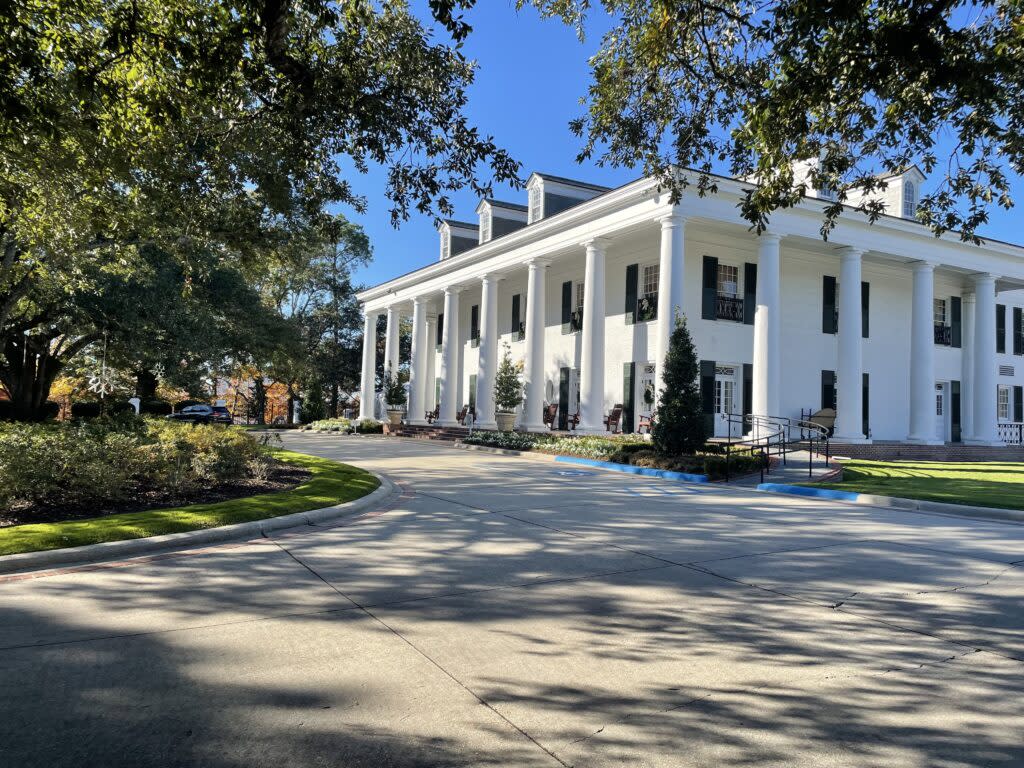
x,y
516,612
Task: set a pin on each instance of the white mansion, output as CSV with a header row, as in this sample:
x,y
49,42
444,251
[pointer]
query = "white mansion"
x,y
908,336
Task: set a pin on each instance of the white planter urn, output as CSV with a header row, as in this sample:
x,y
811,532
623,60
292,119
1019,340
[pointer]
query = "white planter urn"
x,y
395,416
506,421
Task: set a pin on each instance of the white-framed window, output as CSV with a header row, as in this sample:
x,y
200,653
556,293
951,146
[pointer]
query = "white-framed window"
x,y
939,311
909,199
650,283
485,226
728,280
446,244
1003,403
827,193
536,204
579,294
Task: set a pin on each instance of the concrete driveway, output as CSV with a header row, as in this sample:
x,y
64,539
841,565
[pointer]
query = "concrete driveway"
x,y
517,612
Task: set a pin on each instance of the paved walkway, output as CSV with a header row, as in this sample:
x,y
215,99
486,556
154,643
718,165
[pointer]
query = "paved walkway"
x,y
515,612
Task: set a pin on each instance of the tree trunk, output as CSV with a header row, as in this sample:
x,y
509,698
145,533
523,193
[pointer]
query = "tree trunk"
x,y
259,400
334,401
28,374
145,384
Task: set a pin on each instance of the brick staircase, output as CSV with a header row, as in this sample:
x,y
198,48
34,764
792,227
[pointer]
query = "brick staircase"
x,y
428,432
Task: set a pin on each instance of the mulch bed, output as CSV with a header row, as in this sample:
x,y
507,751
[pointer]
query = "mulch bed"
x,y
282,477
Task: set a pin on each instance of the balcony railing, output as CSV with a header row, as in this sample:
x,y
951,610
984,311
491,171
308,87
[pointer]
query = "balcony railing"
x,y
729,308
576,321
943,335
1011,432
647,308
518,334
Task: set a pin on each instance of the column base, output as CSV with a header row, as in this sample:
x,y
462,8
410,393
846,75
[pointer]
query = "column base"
x,y
925,441
533,428
417,423
447,423
582,430
490,426
850,439
986,443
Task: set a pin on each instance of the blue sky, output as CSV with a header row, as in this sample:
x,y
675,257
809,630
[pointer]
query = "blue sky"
x,y
531,75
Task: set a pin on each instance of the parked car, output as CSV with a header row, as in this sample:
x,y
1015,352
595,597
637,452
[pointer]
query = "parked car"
x,y
203,414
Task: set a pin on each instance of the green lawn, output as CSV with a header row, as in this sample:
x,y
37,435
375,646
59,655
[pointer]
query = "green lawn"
x,y
982,484
331,483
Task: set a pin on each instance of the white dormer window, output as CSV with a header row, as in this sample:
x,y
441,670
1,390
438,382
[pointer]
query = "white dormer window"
x,y
827,193
446,244
536,204
485,225
909,199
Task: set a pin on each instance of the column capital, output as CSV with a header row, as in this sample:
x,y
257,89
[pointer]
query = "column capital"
x,y
671,220
984,277
769,236
538,262
923,266
492,277
850,252
453,289
419,301
600,243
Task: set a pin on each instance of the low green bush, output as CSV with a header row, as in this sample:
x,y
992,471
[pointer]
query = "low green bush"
x,y
155,408
101,460
328,425
370,427
739,464
86,410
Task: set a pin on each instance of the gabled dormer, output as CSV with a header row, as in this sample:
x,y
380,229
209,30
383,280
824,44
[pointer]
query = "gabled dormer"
x,y
498,218
549,195
456,237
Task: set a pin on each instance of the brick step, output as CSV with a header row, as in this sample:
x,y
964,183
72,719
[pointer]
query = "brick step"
x,y
886,451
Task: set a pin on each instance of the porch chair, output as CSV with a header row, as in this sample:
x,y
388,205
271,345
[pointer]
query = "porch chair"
x,y
431,416
613,420
550,415
461,418
646,422
573,420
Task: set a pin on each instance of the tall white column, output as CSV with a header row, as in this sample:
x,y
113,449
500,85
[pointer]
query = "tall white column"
x,y
430,350
850,371
985,417
488,352
670,290
533,408
922,356
418,364
367,390
391,341
967,369
450,359
767,372
592,353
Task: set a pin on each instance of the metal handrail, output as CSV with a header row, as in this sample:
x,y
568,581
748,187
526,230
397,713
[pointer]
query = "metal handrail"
x,y
775,432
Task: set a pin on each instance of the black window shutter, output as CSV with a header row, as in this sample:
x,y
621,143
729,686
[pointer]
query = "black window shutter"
x,y
865,306
866,406
1018,331
956,321
1000,328
567,306
954,412
515,315
563,398
440,329
628,374
828,389
632,278
1018,404
472,394
749,293
707,394
709,294
828,305
474,323
748,389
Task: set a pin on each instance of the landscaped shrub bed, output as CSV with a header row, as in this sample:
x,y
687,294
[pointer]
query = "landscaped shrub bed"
x,y
624,449
64,470
365,427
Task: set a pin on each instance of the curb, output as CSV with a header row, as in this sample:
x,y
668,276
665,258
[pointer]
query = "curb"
x,y
503,451
895,502
629,469
92,553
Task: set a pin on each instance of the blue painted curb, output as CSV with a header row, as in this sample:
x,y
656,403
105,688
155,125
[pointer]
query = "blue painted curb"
x,y
803,490
629,469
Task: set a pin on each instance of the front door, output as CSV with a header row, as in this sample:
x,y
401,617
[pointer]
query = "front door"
x,y
941,412
725,402
645,396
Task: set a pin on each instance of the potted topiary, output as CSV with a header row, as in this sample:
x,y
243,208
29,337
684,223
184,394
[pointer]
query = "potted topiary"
x,y
394,397
508,392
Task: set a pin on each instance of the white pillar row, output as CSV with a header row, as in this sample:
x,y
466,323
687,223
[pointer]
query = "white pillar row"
x,y
533,374
967,369
418,364
670,289
430,366
488,352
367,390
922,356
391,341
850,369
592,352
767,317
450,359
985,430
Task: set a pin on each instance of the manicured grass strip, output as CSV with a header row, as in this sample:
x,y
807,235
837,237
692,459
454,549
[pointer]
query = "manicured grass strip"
x,y
331,483
980,484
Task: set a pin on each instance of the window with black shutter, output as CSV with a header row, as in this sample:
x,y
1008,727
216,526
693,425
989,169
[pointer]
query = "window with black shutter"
x,y
828,305
474,325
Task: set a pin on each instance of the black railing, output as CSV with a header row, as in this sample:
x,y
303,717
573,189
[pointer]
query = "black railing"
x,y
518,334
576,321
647,308
729,308
943,335
1011,432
